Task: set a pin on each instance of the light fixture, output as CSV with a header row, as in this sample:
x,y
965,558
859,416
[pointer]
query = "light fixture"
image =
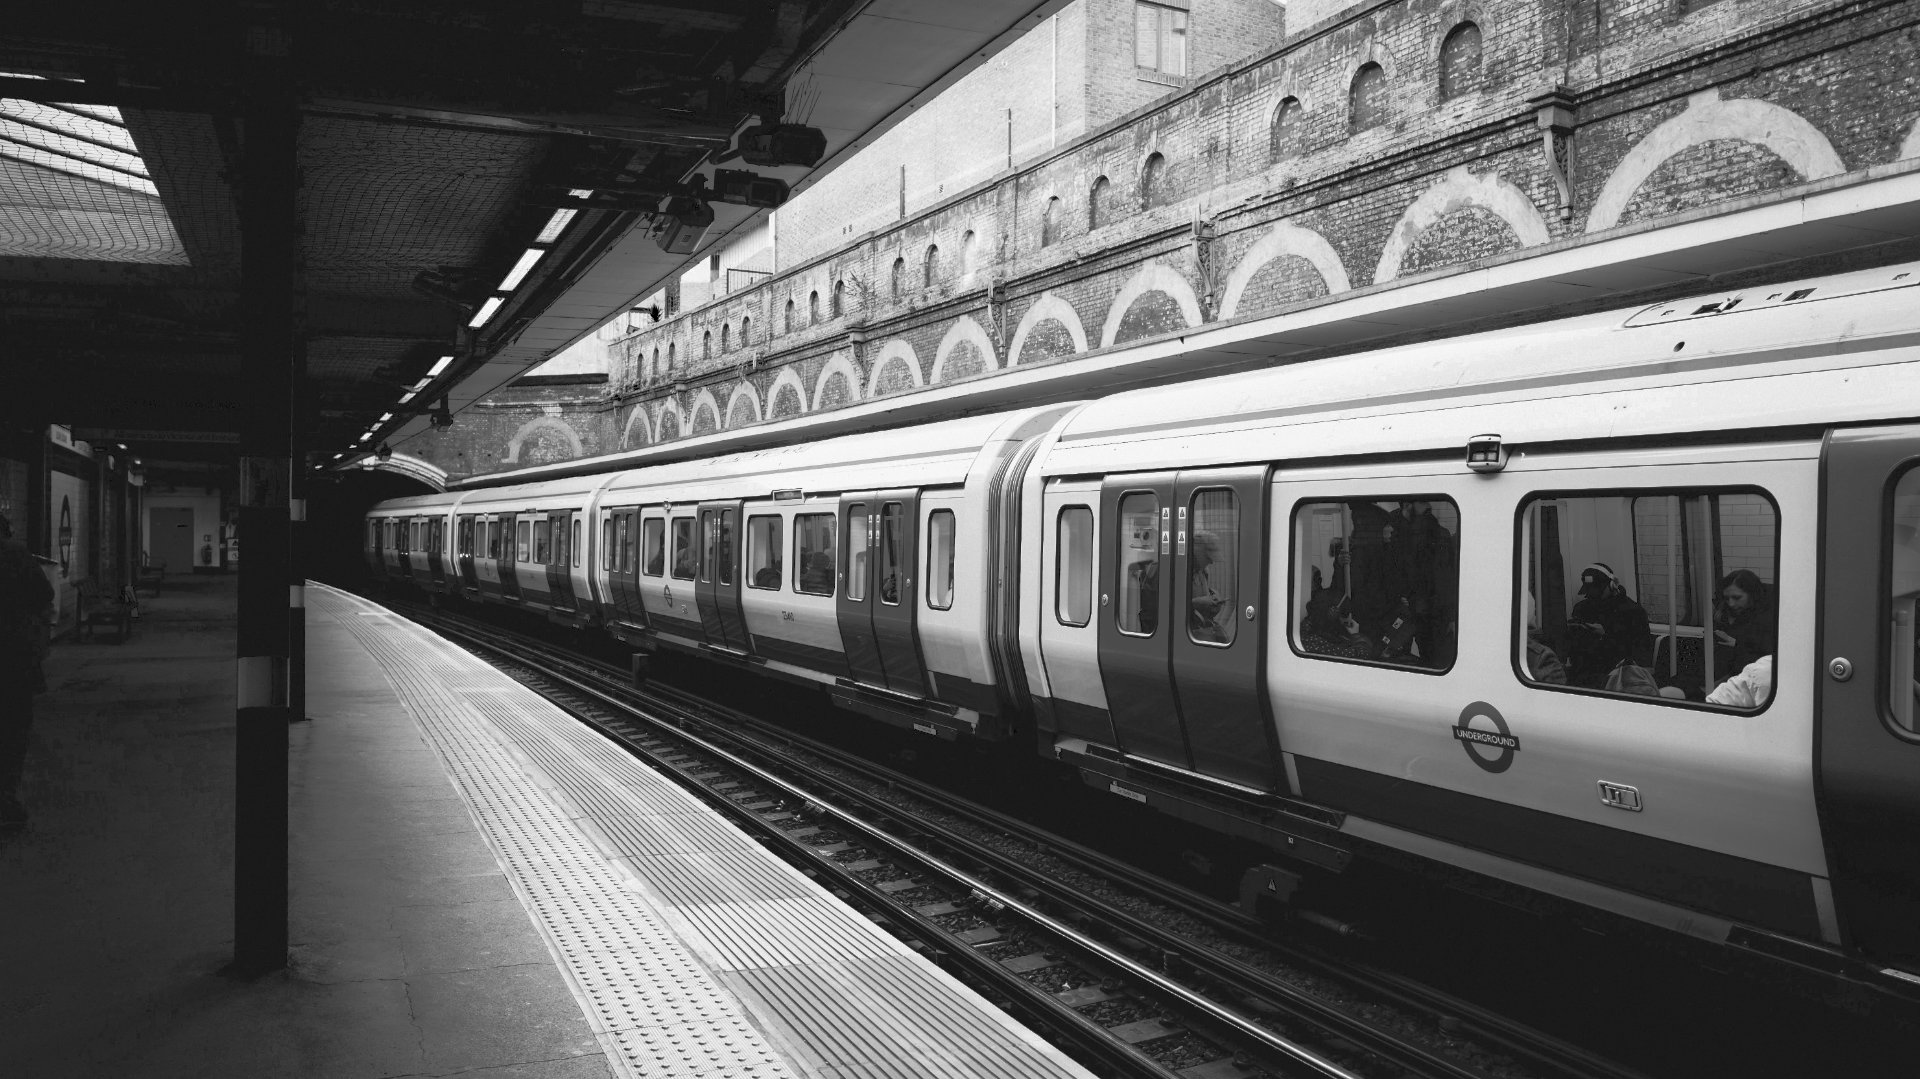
x,y
522,268
556,225
407,396
581,192
1485,453
366,436
337,456
486,311
435,372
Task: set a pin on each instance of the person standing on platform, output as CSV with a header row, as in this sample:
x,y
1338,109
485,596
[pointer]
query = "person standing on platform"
x,y
24,593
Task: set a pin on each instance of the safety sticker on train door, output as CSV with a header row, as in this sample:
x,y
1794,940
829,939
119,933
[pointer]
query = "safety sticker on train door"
x,y
1501,739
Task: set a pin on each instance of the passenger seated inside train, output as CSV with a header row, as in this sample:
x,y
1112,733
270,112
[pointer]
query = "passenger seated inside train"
x,y
1206,607
1607,630
1392,585
685,561
1751,688
1743,618
656,559
768,576
816,573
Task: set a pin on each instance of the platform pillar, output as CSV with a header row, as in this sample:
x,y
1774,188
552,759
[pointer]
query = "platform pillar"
x,y
269,246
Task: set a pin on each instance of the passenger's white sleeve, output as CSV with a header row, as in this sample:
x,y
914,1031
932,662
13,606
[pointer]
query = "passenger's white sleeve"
x,y
1748,689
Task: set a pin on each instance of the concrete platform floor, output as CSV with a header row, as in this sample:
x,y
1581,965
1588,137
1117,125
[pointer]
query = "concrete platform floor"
x,y
410,955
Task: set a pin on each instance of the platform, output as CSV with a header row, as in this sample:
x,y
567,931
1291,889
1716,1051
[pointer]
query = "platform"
x,y
479,886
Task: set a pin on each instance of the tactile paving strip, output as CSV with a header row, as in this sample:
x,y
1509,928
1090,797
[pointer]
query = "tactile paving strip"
x,y
709,927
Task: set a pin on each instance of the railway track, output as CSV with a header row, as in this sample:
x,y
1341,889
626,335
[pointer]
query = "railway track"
x,y
1099,955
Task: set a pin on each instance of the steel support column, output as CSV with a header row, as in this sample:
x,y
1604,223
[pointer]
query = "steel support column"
x,y
269,238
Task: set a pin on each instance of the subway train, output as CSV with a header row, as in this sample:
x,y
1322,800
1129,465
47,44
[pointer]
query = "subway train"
x,y
1618,609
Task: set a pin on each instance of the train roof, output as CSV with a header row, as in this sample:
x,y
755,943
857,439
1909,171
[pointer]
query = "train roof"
x,y
1837,349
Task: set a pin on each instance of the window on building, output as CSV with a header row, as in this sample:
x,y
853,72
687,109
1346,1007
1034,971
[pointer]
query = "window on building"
x,y
1367,99
1160,38
654,369
670,357
1050,223
1377,581
706,345
1136,583
1100,209
763,552
930,266
654,541
813,554
839,298
1073,566
969,254
726,338
789,322
1156,182
686,557
940,559
746,332
1662,595
1460,61
857,552
813,307
1286,135
1903,578
899,277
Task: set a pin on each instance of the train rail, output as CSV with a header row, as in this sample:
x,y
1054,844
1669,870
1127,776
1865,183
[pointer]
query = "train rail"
x,y
1032,918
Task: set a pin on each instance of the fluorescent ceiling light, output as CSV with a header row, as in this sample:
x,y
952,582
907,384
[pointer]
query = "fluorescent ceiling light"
x,y
407,396
437,368
384,417
581,192
523,267
366,436
486,311
555,226
337,456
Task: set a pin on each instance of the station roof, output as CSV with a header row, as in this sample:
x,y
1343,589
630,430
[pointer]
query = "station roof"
x,y
439,141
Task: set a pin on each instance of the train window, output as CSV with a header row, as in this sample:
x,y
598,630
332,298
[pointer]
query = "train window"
x,y
857,552
813,554
940,535
725,548
890,553
493,538
763,552
523,541
574,543
709,543
1663,595
1377,580
1073,566
607,546
466,535
686,558
1903,694
1213,561
542,541
655,530
1137,571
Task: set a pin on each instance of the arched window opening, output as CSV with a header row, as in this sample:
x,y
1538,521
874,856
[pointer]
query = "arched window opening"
x,y
839,298
746,332
653,369
706,345
931,268
1099,204
1460,61
813,307
789,314
726,338
670,357
1050,223
1155,183
899,277
969,254
1287,130
1367,101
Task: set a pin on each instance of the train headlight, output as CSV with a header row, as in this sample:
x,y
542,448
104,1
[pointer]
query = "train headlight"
x,y
1486,454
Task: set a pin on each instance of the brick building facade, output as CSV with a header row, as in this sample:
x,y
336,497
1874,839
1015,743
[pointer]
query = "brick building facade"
x,y
1385,142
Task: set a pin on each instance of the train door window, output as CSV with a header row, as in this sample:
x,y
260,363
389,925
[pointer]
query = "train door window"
x,y
575,542
629,529
1213,561
1663,595
493,538
709,543
542,541
466,536
523,541
890,553
1137,570
724,549
1073,566
686,557
939,573
1903,695
608,547
857,542
813,554
763,551
655,546
1377,580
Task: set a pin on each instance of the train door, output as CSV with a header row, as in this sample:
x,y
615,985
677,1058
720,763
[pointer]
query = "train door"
x,y
1219,543
505,540
671,572
860,519
1868,703
463,553
437,552
1136,592
559,561
896,598
720,614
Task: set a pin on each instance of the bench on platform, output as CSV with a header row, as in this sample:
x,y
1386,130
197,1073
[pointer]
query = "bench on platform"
x,y
97,610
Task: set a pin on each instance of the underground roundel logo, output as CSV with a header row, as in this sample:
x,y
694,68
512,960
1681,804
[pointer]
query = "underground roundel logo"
x,y
1478,740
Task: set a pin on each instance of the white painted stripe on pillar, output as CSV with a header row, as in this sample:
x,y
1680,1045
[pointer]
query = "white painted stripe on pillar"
x,y
296,596
256,682
296,509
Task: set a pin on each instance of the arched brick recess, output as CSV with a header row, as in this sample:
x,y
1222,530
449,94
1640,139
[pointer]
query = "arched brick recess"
x,y
895,370
1153,277
1048,308
1281,241
1718,170
789,396
838,384
965,350
1707,117
1461,190
544,440
743,407
706,414
637,425
667,424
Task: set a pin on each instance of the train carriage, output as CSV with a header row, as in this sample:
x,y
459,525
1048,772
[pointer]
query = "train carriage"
x,y
531,546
